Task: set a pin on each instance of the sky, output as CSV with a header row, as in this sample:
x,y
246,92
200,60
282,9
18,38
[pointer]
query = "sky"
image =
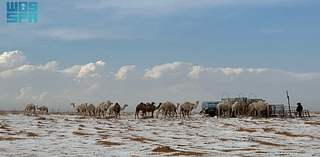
x,y
170,50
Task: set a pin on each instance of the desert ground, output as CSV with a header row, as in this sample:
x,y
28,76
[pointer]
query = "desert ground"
x,y
61,134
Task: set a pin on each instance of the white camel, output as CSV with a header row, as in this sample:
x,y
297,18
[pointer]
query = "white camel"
x,y
30,107
82,109
187,107
166,107
236,108
91,109
260,106
102,108
42,108
226,106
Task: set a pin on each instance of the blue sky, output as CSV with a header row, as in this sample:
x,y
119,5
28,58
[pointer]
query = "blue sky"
x,y
272,34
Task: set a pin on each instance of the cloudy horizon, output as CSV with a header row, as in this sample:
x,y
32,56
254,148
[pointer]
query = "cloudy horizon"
x,y
48,84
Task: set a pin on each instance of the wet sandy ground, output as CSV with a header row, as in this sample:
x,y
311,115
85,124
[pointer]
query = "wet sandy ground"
x,y
73,135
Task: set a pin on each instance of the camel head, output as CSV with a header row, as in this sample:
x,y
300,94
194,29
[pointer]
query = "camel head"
x,y
125,105
159,105
196,105
109,102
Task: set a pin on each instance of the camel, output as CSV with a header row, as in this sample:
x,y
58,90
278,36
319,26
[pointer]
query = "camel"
x,y
141,107
116,110
80,108
175,109
42,108
165,108
30,107
236,109
187,107
260,106
151,108
91,109
225,106
245,106
102,108
110,111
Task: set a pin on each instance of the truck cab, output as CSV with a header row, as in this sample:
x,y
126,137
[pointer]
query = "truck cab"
x,y
210,107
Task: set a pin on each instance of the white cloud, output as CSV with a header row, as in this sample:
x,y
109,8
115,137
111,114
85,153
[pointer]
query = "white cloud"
x,y
305,76
11,59
25,92
88,69
85,71
50,66
172,69
229,71
123,72
43,95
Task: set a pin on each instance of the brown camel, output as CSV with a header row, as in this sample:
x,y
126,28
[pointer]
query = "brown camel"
x,y
141,107
121,109
116,110
151,108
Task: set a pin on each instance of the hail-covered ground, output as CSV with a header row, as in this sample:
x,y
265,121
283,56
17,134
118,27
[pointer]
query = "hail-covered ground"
x,y
74,135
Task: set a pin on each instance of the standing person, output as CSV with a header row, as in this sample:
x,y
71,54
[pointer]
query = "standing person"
x,y
299,109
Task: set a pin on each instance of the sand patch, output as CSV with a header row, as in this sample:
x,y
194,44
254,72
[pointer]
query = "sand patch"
x,y
232,150
104,136
31,134
270,144
268,130
167,149
5,127
312,123
291,135
97,128
80,121
142,140
246,130
227,124
106,143
82,134
10,138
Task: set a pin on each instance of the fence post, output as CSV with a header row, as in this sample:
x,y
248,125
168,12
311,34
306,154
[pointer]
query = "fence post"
x,y
289,104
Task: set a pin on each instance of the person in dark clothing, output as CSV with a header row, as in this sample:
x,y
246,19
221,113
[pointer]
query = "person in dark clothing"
x,y
299,109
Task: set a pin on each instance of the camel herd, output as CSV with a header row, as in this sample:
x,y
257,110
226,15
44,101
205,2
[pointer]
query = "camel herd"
x,y
166,109
101,110
31,107
242,108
